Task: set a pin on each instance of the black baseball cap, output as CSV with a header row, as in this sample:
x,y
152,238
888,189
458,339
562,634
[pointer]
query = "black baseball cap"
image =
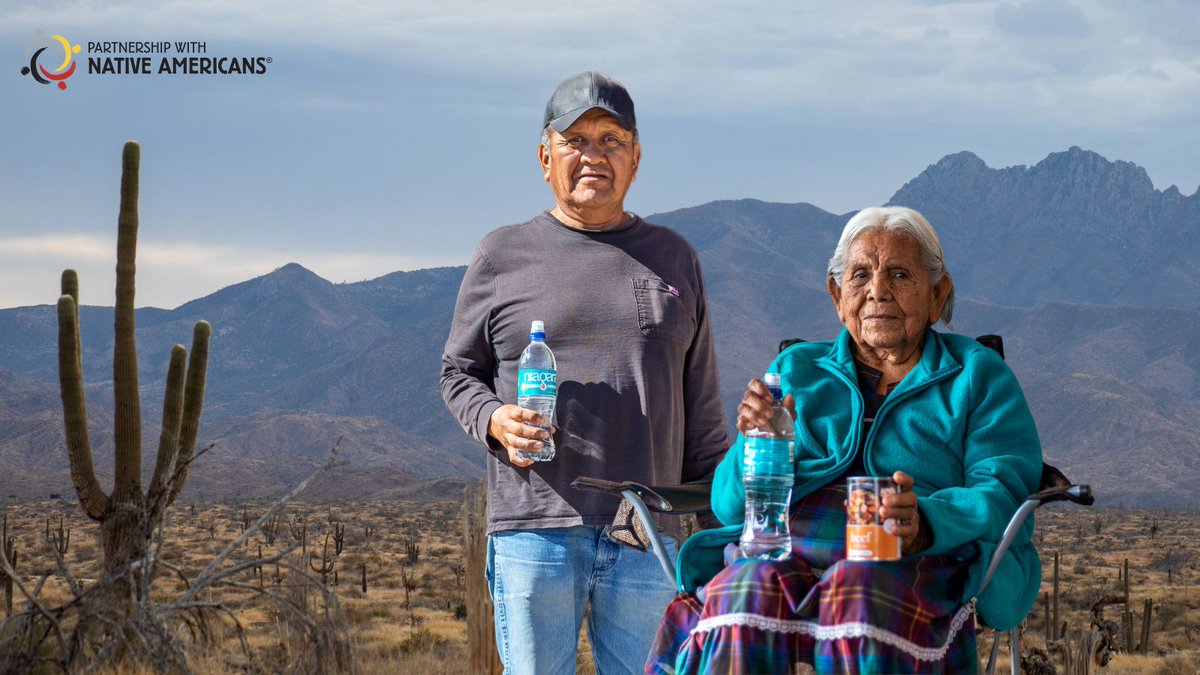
x,y
580,93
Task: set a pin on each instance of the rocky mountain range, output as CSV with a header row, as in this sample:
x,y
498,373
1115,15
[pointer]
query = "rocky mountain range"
x,y
1089,272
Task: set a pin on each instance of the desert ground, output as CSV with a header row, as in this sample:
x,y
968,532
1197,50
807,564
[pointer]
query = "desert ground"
x,y
412,615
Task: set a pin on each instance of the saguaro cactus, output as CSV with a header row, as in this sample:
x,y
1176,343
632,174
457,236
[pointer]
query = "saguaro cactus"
x,y
339,537
8,549
60,540
128,515
327,562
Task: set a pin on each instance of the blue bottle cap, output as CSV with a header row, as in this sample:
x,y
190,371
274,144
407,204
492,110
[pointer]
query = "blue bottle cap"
x,y
774,385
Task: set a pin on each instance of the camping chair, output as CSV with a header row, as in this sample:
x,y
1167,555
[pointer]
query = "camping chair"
x,y
695,497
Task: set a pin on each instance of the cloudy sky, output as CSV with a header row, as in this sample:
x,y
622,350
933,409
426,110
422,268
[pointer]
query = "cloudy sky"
x,y
392,134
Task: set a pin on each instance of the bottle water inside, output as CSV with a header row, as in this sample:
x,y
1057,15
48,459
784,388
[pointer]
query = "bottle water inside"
x,y
768,474
537,387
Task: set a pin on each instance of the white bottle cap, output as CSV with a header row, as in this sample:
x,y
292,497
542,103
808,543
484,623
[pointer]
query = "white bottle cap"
x,y
537,327
772,380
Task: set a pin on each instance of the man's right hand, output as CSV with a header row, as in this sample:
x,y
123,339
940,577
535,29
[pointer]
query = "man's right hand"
x,y
512,426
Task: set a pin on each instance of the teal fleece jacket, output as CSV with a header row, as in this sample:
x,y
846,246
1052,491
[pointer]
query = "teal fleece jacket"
x,y
958,424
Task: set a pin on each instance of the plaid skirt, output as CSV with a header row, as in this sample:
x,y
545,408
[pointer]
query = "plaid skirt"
x,y
816,608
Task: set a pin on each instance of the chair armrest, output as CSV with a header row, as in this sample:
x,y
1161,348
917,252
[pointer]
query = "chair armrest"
x,y
675,499
1080,494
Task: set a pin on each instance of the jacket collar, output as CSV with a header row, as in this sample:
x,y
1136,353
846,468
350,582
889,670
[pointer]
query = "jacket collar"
x,y
936,361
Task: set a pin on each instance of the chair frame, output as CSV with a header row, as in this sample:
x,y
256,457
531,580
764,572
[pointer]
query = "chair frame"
x,y
695,497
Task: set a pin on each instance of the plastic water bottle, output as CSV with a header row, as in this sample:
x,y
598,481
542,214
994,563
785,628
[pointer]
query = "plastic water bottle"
x,y
768,473
537,387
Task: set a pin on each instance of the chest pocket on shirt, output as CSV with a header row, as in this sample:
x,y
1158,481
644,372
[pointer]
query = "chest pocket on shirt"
x,y
661,311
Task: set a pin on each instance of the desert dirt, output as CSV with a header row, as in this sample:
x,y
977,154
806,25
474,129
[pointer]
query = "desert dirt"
x,y
411,618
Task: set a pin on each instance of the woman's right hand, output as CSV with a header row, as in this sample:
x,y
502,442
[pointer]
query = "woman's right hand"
x,y
754,411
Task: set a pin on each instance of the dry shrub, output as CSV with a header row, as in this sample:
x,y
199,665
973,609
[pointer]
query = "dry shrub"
x,y
422,640
448,661
1178,664
312,629
117,622
84,554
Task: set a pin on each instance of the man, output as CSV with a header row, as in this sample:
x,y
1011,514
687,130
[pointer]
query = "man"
x,y
625,313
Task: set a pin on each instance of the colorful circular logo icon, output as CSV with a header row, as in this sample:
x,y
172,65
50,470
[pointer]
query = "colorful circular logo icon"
x,y
49,49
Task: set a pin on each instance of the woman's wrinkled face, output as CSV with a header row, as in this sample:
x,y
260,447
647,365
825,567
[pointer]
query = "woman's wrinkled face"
x,y
887,297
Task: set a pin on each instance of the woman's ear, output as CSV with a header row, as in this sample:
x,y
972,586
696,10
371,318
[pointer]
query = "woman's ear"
x,y
941,292
835,294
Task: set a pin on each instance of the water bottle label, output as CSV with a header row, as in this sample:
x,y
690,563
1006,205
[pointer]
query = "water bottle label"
x,y
533,382
768,456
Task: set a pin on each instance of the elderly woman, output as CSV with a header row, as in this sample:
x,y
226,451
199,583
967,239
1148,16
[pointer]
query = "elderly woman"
x,y
940,414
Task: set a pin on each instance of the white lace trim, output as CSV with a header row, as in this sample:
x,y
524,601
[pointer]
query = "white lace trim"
x,y
840,631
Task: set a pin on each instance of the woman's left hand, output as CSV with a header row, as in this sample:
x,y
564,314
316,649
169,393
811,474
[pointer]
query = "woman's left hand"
x,y
902,509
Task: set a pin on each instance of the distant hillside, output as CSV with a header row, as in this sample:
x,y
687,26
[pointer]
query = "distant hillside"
x,y
1079,262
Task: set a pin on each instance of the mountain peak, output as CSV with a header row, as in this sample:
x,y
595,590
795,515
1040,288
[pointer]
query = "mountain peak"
x,y
295,271
1076,165
292,276
1075,155
959,161
1077,171
292,280
954,174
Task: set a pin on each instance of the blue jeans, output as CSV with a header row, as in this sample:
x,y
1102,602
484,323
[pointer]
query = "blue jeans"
x,y
541,582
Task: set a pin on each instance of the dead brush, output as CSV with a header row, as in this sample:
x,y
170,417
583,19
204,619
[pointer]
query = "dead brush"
x,y
95,632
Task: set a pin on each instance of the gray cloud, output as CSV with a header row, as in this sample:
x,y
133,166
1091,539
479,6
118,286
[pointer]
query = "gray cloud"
x,y
381,118
1057,18
30,267
913,56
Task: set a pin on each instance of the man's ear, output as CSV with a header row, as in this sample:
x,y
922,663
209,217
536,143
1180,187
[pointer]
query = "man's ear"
x,y
637,158
544,160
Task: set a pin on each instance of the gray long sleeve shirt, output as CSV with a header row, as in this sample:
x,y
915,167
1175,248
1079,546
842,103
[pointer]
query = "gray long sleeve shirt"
x,y
627,318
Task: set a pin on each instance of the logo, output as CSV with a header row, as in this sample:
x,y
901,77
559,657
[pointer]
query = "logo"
x,y
539,377
48,50
532,381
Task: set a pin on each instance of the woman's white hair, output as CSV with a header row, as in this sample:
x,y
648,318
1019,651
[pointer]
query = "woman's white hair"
x,y
901,220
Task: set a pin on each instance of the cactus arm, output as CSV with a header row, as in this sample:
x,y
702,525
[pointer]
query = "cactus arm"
x,y
70,286
70,377
127,483
193,404
168,442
